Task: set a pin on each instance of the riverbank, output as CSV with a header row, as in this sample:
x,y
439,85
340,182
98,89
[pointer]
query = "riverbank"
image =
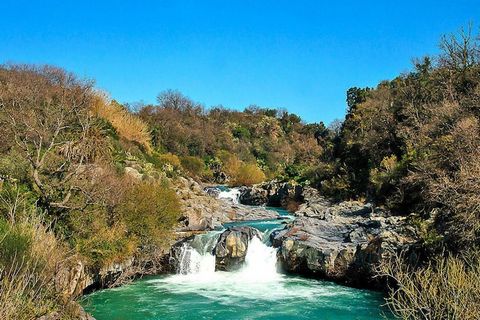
x,y
251,288
340,242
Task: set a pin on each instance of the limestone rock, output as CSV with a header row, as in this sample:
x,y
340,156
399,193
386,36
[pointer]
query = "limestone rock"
x,y
272,193
201,210
134,173
342,242
232,246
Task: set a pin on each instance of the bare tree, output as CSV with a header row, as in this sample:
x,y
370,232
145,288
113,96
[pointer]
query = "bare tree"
x,y
460,51
44,112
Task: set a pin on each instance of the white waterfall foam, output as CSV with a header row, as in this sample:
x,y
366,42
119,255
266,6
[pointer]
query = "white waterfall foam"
x,y
193,262
199,263
257,279
232,194
260,262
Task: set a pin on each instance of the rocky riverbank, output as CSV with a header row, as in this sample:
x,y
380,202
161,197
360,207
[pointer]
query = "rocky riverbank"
x,y
203,211
343,242
200,212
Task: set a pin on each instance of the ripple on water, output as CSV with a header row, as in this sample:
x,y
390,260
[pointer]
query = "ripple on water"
x,y
229,297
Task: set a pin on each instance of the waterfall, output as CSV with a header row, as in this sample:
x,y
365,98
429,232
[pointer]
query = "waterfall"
x,y
260,262
232,194
193,262
196,259
196,256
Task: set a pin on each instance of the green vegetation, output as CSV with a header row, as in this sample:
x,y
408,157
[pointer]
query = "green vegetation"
x,y
82,177
446,288
249,174
223,139
412,144
65,196
29,258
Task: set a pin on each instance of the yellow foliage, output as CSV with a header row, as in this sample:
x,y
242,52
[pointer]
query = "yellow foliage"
x,y
170,159
249,174
230,162
389,163
128,126
447,288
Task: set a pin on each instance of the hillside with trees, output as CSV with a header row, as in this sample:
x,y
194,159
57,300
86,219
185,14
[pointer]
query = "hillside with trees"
x,y
410,145
223,141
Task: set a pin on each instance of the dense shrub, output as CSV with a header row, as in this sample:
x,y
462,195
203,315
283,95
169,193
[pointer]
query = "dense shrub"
x,y
104,245
230,163
150,211
169,161
446,288
248,174
193,165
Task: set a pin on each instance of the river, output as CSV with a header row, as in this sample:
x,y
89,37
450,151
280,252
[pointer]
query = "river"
x,y
256,291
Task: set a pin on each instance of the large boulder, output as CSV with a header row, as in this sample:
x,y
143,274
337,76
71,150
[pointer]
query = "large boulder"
x,y
232,246
341,242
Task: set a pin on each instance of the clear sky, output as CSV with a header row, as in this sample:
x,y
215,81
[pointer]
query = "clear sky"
x,y
298,55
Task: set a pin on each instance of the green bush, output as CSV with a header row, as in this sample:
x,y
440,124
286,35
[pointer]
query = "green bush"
x,y
106,246
100,237
169,161
193,165
241,133
249,174
150,210
14,166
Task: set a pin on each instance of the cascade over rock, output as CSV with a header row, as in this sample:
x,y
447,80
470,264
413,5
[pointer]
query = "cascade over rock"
x,y
232,246
202,210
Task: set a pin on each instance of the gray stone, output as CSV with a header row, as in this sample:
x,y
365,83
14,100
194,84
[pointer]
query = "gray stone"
x,y
232,246
342,242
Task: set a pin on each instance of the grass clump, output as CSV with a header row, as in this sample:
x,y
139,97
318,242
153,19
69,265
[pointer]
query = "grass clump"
x,y
30,257
126,124
445,288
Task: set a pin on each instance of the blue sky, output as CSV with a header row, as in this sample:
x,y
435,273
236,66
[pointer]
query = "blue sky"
x,y
298,55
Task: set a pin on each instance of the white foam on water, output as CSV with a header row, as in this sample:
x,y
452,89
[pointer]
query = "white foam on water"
x,y
260,262
232,194
257,279
193,262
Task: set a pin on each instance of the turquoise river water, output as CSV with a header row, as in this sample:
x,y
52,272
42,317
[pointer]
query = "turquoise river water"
x,y
257,291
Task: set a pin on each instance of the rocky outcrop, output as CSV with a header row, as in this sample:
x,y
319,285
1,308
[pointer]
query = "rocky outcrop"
x,y
202,211
272,193
232,246
74,308
341,242
73,278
